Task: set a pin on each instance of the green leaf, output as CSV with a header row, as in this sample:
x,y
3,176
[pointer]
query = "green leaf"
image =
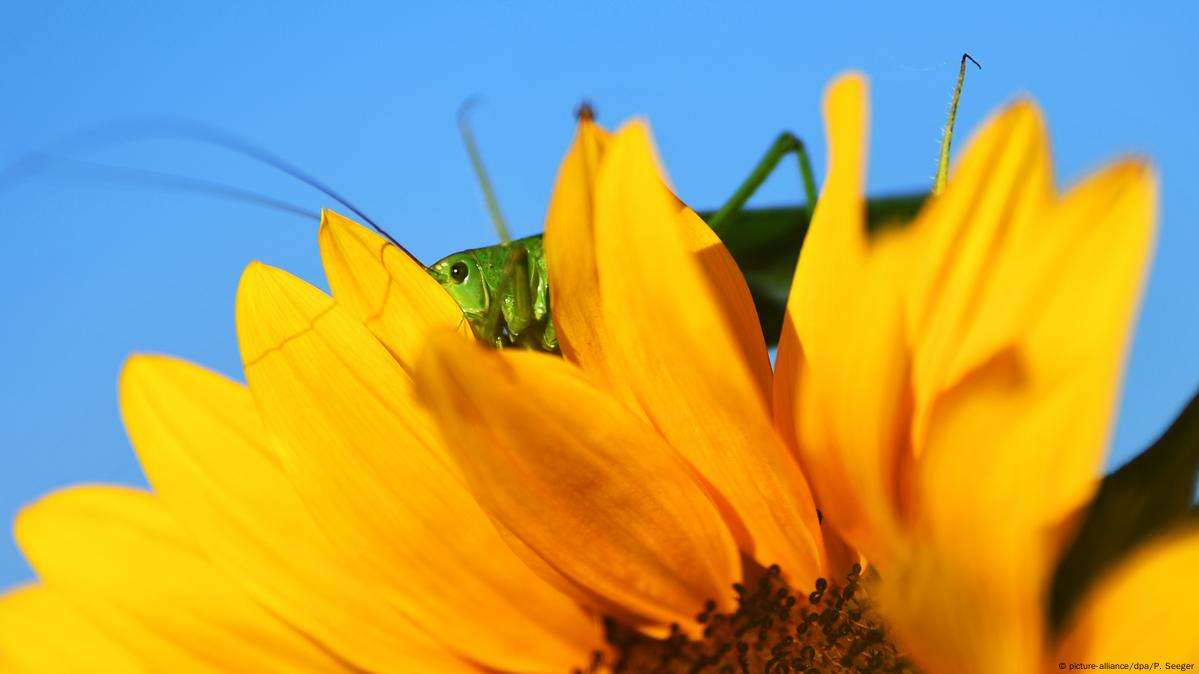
x,y
765,242
1143,498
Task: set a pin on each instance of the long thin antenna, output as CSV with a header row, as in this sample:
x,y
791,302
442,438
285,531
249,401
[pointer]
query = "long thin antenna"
x,y
943,162
159,128
476,161
140,178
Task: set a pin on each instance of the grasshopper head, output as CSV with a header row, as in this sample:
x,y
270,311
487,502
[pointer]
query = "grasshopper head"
x,y
462,278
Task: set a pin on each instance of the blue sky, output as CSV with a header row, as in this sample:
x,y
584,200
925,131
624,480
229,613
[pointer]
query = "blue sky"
x,y
364,96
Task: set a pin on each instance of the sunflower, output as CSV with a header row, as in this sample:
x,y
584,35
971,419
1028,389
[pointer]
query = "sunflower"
x,y
387,496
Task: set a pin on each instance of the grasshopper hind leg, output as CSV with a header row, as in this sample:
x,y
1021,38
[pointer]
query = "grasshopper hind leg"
x,y
784,144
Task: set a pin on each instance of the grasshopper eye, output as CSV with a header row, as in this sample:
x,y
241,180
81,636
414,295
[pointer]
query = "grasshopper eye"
x,y
459,272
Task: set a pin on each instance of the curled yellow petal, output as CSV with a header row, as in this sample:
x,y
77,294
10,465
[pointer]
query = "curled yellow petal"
x,y
207,456
1017,443
367,462
970,240
1079,324
581,481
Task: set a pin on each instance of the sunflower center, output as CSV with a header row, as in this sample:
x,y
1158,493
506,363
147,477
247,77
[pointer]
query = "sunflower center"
x,y
833,628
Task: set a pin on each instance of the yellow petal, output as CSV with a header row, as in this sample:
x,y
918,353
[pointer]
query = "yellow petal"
x,y
570,253
570,250
965,601
1017,444
841,378
731,294
41,634
204,451
1078,327
1145,610
367,462
581,481
673,348
119,558
850,411
949,616
384,287
972,240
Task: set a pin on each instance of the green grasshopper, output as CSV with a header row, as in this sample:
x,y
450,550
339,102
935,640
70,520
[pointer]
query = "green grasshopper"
x,y
504,290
